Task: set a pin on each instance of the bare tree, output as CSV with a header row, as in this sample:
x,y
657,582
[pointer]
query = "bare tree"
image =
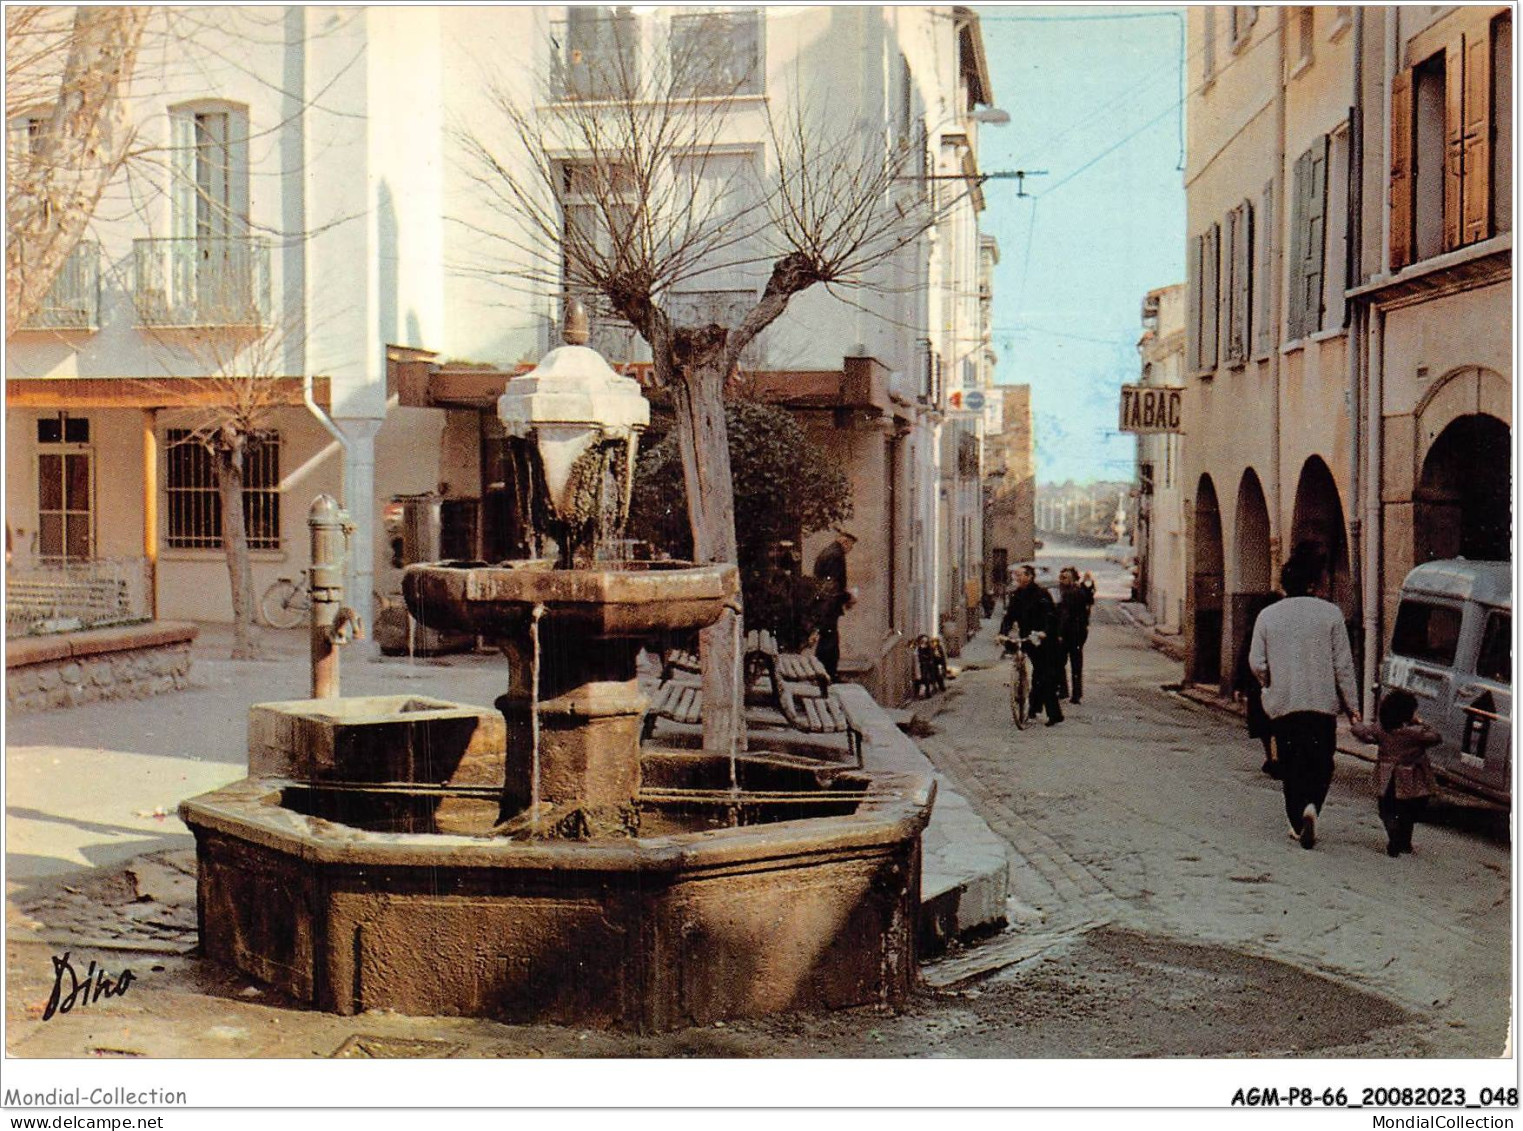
x,y
236,396
622,188
73,147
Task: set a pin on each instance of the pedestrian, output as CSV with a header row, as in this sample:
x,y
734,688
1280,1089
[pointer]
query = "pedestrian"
x,y
1403,775
834,599
1075,598
1301,657
1031,607
1246,685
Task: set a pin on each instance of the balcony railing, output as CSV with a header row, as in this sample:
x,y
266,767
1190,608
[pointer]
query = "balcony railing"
x,y
73,301
717,54
202,282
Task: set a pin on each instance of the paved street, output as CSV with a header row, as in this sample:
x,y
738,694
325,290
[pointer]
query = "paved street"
x,y
1158,907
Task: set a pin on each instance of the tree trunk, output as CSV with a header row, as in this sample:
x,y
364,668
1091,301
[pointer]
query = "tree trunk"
x,y
52,194
228,459
698,399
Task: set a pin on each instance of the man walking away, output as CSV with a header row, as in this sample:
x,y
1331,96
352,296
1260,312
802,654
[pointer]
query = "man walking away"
x,y
1075,598
1031,607
835,599
1301,657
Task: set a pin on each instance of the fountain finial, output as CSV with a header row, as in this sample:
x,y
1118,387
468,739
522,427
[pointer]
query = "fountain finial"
x,y
576,332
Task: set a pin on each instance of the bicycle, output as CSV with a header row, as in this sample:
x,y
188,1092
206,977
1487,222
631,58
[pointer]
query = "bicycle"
x,y
1020,683
287,602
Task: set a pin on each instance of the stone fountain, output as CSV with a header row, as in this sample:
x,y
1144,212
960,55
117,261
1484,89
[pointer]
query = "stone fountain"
x,y
534,863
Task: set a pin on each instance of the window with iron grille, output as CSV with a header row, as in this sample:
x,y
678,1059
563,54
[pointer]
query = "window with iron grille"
x,y
194,505
717,54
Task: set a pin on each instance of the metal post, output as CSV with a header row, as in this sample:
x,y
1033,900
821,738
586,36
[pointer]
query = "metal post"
x,y
333,623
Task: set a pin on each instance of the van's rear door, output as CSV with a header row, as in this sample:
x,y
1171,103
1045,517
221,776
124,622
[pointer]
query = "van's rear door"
x,y
1483,708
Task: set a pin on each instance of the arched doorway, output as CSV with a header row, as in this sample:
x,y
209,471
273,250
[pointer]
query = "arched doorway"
x,y
1463,502
1206,587
1318,519
1253,577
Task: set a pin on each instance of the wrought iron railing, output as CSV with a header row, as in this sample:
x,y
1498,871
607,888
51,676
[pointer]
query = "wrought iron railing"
x,y
45,596
202,282
73,301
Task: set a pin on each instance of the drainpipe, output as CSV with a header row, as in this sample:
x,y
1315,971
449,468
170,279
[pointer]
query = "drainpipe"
x,y
1277,306
1354,320
322,417
1374,533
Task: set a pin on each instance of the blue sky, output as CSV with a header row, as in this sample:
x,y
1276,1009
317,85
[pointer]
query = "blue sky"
x,y
1093,95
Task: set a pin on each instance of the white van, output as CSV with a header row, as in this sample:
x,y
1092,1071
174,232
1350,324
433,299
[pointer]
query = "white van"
x,y
1452,648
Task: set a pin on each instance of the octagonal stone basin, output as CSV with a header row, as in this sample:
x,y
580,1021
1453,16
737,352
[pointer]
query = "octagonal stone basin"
x,y
345,899
616,600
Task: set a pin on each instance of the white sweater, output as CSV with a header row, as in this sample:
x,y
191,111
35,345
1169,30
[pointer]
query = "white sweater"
x,y
1300,654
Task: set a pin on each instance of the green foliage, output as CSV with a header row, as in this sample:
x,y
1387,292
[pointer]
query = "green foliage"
x,y
786,486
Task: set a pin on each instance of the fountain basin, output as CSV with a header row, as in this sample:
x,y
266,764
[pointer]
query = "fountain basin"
x,y
647,933
614,600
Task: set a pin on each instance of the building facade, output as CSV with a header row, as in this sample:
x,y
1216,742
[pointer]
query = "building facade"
x,y
1159,535
1011,490
1349,191
316,232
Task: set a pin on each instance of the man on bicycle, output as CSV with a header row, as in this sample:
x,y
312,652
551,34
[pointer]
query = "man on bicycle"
x,y
1031,607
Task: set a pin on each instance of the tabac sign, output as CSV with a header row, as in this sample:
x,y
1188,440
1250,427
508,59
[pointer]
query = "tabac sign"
x,y
1145,408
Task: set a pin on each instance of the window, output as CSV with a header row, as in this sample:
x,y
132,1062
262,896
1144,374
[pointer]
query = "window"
x,y
1426,632
65,488
906,109
1451,129
1306,29
1308,236
1495,658
717,54
1428,82
195,506
595,53
210,272
1265,331
1501,123
1238,292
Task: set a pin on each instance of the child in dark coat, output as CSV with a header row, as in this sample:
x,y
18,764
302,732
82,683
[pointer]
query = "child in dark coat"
x,y
1403,775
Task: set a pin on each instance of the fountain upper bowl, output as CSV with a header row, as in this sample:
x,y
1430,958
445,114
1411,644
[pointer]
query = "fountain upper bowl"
x,y
618,599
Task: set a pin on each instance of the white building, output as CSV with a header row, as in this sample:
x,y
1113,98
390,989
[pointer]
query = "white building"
x,y
315,195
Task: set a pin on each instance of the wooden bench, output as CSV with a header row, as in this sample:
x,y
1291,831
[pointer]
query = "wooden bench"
x,y
29,601
763,654
820,714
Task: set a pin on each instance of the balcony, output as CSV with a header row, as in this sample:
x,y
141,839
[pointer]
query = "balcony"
x,y
202,282
73,301
717,54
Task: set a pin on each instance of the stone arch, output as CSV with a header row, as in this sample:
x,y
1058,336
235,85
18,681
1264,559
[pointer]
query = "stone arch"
x,y
1462,391
1252,574
1207,587
1318,519
1462,498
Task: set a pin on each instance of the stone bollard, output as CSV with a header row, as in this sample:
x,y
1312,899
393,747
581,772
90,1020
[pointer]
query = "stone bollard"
x,y
333,623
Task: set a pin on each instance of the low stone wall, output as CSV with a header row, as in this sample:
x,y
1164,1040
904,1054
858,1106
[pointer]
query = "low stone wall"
x,y
71,668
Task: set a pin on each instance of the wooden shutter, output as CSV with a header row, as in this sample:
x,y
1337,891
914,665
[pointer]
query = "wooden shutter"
x,y
1402,181
1314,244
1475,191
1228,298
1454,141
1192,288
1265,238
1296,293
1210,275
1242,282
